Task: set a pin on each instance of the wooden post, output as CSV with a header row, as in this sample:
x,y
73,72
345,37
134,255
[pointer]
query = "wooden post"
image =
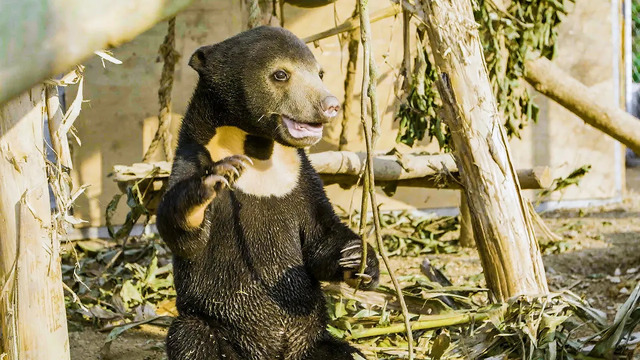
x,y
32,312
503,230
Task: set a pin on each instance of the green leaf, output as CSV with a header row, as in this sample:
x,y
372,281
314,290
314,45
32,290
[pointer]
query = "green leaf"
x,y
336,332
130,293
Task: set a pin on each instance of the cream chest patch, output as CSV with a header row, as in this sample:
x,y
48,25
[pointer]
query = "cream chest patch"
x,y
276,176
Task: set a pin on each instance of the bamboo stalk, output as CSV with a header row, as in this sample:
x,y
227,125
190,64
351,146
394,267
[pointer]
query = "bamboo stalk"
x,y
433,322
369,82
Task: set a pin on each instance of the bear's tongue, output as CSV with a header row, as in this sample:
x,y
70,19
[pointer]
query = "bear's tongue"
x,y
301,130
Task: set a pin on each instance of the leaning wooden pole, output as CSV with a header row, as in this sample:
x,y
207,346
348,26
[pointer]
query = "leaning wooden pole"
x,y
32,312
550,80
504,233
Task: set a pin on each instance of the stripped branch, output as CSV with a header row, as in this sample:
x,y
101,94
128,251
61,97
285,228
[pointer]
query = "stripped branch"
x,y
352,24
369,82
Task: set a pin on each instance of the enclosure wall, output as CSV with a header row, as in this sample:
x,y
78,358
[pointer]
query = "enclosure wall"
x,y
120,119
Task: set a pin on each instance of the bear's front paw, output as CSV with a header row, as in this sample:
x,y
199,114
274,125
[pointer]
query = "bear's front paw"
x,y
224,173
350,260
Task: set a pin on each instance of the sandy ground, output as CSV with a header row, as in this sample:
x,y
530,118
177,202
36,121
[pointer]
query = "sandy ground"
x,y
602,264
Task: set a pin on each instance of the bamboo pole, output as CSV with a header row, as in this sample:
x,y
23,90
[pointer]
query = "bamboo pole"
x,y
504,233
33,319
41,38
433,322
548,79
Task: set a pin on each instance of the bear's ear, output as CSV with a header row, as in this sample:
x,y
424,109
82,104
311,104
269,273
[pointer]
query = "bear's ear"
x,y
198,60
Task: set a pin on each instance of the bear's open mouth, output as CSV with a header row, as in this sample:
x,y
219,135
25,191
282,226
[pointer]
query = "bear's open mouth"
x,y
301,130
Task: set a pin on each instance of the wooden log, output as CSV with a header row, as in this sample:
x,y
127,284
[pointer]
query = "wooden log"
x,y
343,167
548,79
503,231
41,38
353,23
32,312
425,171
385,167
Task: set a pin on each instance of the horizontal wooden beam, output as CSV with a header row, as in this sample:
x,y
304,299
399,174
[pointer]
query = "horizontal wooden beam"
x,y
343,167
422,171
42,38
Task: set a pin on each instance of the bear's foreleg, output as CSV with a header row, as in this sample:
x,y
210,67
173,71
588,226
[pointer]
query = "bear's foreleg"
x,y
182,209
333,252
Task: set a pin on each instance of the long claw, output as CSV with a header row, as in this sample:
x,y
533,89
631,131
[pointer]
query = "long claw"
x,y
245,159
352,247
239,160
365,278
352,257
231,168
350,264
212,180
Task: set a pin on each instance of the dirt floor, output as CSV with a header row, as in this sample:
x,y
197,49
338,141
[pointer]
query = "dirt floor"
x,y
598,258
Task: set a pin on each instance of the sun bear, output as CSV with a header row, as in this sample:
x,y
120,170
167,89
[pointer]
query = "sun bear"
x,y
245,215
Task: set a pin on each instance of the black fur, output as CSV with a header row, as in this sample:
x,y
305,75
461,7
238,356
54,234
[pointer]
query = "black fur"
x,y
247,278
258,147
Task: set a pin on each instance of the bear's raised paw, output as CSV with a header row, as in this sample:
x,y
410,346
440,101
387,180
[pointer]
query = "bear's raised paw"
x,y
224,173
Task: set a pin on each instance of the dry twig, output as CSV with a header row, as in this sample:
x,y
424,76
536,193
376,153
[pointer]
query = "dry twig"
x,y
369,90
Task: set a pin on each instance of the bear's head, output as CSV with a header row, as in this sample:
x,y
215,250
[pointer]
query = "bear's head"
x,y
267,82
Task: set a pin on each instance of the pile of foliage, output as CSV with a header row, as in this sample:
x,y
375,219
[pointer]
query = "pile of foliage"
x,y
120,285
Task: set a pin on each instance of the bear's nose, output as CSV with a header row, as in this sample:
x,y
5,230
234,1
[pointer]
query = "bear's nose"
x,y
330,106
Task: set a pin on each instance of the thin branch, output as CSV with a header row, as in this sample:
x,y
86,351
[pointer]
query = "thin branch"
x,y
133,324
349,81
352,24
371,134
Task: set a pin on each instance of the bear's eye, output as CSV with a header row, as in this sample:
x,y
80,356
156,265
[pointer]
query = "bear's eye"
x,y
321,74
281,75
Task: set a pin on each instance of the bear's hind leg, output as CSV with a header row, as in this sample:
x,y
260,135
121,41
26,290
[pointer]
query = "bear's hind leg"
x,y
191,338
334,349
